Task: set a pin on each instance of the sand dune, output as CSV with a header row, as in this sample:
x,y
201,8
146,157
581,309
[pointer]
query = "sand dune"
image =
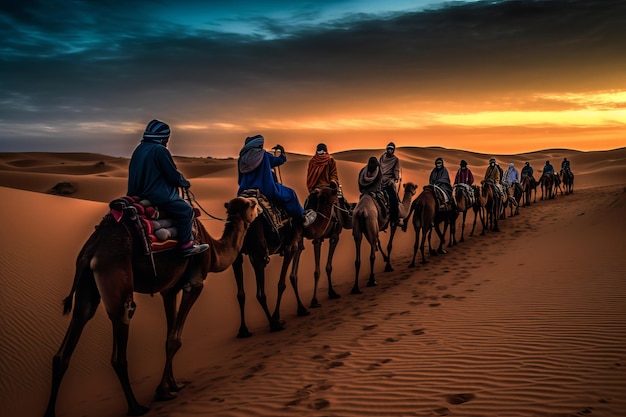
x,y
530,321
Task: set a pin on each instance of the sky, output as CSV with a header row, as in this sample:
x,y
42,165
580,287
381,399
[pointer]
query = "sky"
x,y
484,76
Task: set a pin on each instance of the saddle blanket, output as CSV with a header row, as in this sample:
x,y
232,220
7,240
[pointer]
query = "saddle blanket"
x,y
160,229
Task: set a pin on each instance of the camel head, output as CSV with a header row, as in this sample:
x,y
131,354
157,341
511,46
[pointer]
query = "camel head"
x,y
246,208
410,188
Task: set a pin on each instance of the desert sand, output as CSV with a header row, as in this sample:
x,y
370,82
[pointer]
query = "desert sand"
x,y
530,321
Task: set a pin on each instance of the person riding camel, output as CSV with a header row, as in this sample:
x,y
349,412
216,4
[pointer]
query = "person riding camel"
x,y
548,169
565,166
370,177
512,175
529,171
440,178
494,175
390,167
322,172
464,175
152,175
255,171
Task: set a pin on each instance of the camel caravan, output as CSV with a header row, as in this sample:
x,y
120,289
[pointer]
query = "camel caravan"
x,y
151,240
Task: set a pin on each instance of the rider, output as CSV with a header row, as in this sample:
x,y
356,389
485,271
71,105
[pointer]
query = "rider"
x,y
370,177
255,171
390,168
152,175
512,175
322,172
548,169
528,170
464,175
565,166
494,174
440,177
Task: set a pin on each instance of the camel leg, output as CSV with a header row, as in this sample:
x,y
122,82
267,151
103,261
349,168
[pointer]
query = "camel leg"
x,y
463,227
415,246
87,300
442,237
388,267
293,279
241,296
358,237
258,265
175,324
333,241
114,279
371,282
423,244
317,250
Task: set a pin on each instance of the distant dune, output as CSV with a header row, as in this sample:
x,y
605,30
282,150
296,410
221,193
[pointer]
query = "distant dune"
x,y
530,321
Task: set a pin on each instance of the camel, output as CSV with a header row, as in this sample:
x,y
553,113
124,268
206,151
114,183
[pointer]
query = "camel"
x,y
368,221
463,204
112,265
556,180
514,198
259,244
494,205
428,215
528,186
547,184
330,221
567,177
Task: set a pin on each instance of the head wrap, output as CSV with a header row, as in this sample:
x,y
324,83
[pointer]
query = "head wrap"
x,y
440,159
492,159
156,131
511,164
321,147
251,154
371,173
391,145
547,162
463,163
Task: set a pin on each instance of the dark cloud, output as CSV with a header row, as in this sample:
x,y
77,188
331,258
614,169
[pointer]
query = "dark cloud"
x,y
111,61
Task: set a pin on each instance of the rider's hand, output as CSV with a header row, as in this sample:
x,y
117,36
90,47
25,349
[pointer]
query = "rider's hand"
x,y
279,148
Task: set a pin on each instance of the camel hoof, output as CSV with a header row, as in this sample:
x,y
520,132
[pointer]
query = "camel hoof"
x,y
442,251
372,283
138,410
333,296
388,268
244,334
161,395
412,265
315,304
356,291
276,327
303,312
176,387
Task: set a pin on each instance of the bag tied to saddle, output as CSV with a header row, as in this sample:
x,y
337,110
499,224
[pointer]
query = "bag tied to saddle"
x,y
158,230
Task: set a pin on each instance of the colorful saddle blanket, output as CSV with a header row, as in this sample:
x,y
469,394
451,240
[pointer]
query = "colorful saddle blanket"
x,y
159,230
274,216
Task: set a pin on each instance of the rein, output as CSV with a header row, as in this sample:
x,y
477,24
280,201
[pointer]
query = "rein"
x,y
191,198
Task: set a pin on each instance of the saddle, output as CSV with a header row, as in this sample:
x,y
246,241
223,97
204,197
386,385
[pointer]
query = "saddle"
x,y
444,202
158,232
468,192
382,201
273,215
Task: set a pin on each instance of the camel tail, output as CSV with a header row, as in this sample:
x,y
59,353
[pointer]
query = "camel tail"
x,y
82,268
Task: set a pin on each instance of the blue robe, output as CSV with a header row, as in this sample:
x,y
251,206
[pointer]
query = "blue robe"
x,y
263,180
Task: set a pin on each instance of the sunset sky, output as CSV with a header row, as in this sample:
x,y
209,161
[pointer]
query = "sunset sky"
x,y
485,76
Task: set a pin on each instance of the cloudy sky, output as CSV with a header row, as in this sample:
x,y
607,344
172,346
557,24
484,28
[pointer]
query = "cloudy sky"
x,y
487,76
